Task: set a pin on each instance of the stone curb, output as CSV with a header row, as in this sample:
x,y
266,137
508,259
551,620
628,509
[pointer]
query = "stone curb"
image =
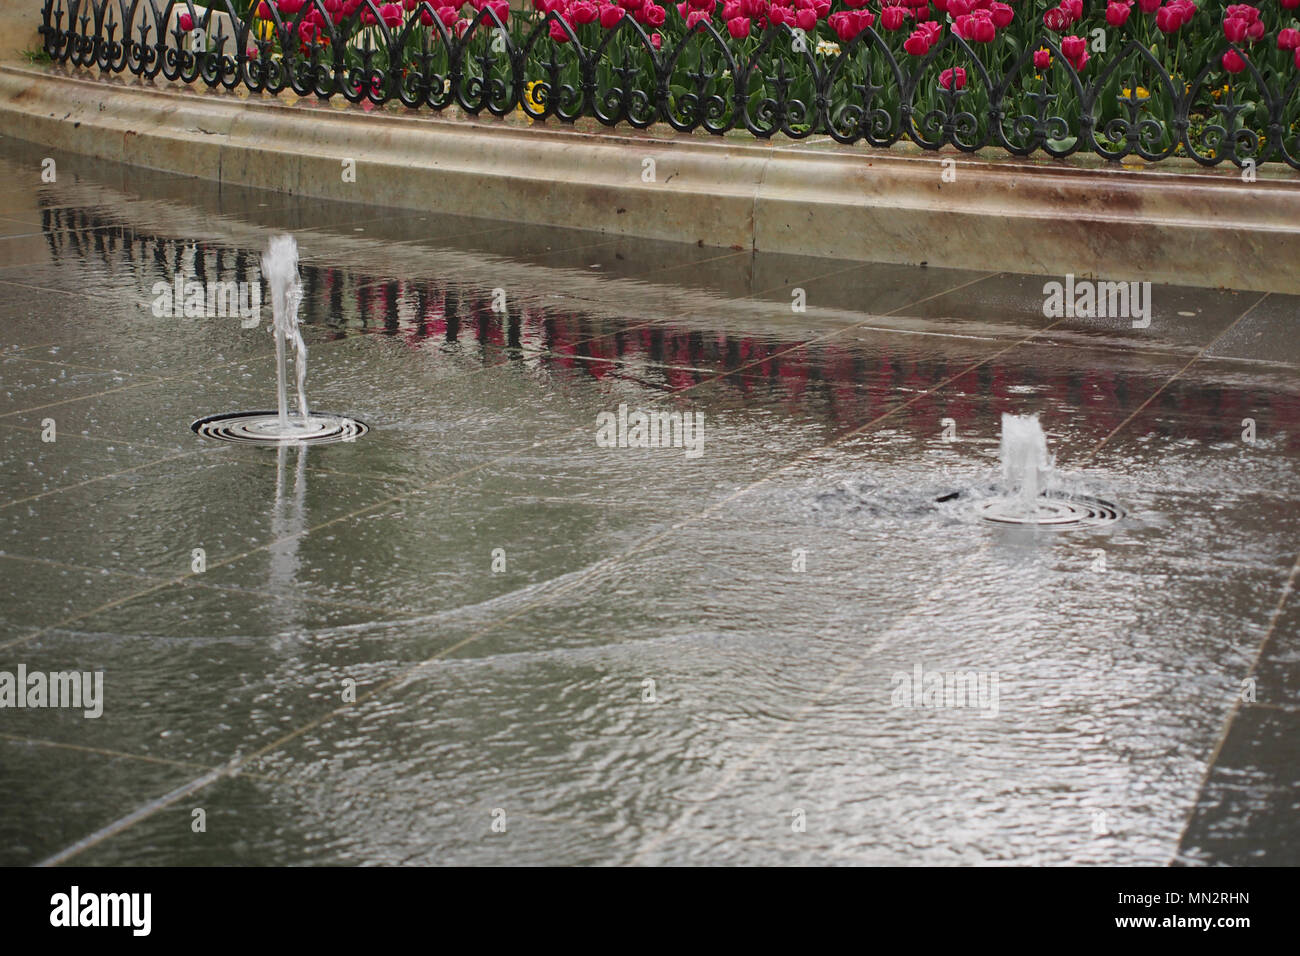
x,y
1182,226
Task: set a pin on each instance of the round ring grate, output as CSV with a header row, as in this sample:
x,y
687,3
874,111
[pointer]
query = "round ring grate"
x,y
263,428
1052,510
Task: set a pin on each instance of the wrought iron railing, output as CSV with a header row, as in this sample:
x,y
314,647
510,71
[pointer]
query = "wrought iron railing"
x,y
777,81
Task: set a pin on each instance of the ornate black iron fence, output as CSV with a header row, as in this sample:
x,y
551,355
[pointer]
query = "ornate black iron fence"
x,y
780,80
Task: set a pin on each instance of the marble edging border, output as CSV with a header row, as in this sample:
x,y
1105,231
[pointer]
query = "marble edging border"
x,y
1182,226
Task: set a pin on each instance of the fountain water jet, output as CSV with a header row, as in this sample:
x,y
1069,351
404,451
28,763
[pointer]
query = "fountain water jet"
x,y
1026,465
1029,482
280,269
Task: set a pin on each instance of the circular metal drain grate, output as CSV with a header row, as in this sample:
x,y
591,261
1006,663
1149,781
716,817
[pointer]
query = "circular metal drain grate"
x,y
263,428
1053,510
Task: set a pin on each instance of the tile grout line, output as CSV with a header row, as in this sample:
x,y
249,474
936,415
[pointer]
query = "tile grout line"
x,y
1287,588
117,474
287,782
1192,361
228,589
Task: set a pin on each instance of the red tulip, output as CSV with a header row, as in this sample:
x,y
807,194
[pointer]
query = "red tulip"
x,y
845,25
892,17
918,44
805,19
951,75
1169,19
738,27
1186,9
1002,14
1288,39
1042,59
958,8
1232,62
609,16
976,26
656,41
1148,6
1075,49
1117,14
186,22
1056,19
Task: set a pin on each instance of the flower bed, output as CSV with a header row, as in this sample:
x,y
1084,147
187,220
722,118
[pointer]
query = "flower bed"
x,y
1126,77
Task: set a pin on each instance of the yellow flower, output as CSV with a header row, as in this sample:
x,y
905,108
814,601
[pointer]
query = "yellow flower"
x,y
530,96
1142,93
265,28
